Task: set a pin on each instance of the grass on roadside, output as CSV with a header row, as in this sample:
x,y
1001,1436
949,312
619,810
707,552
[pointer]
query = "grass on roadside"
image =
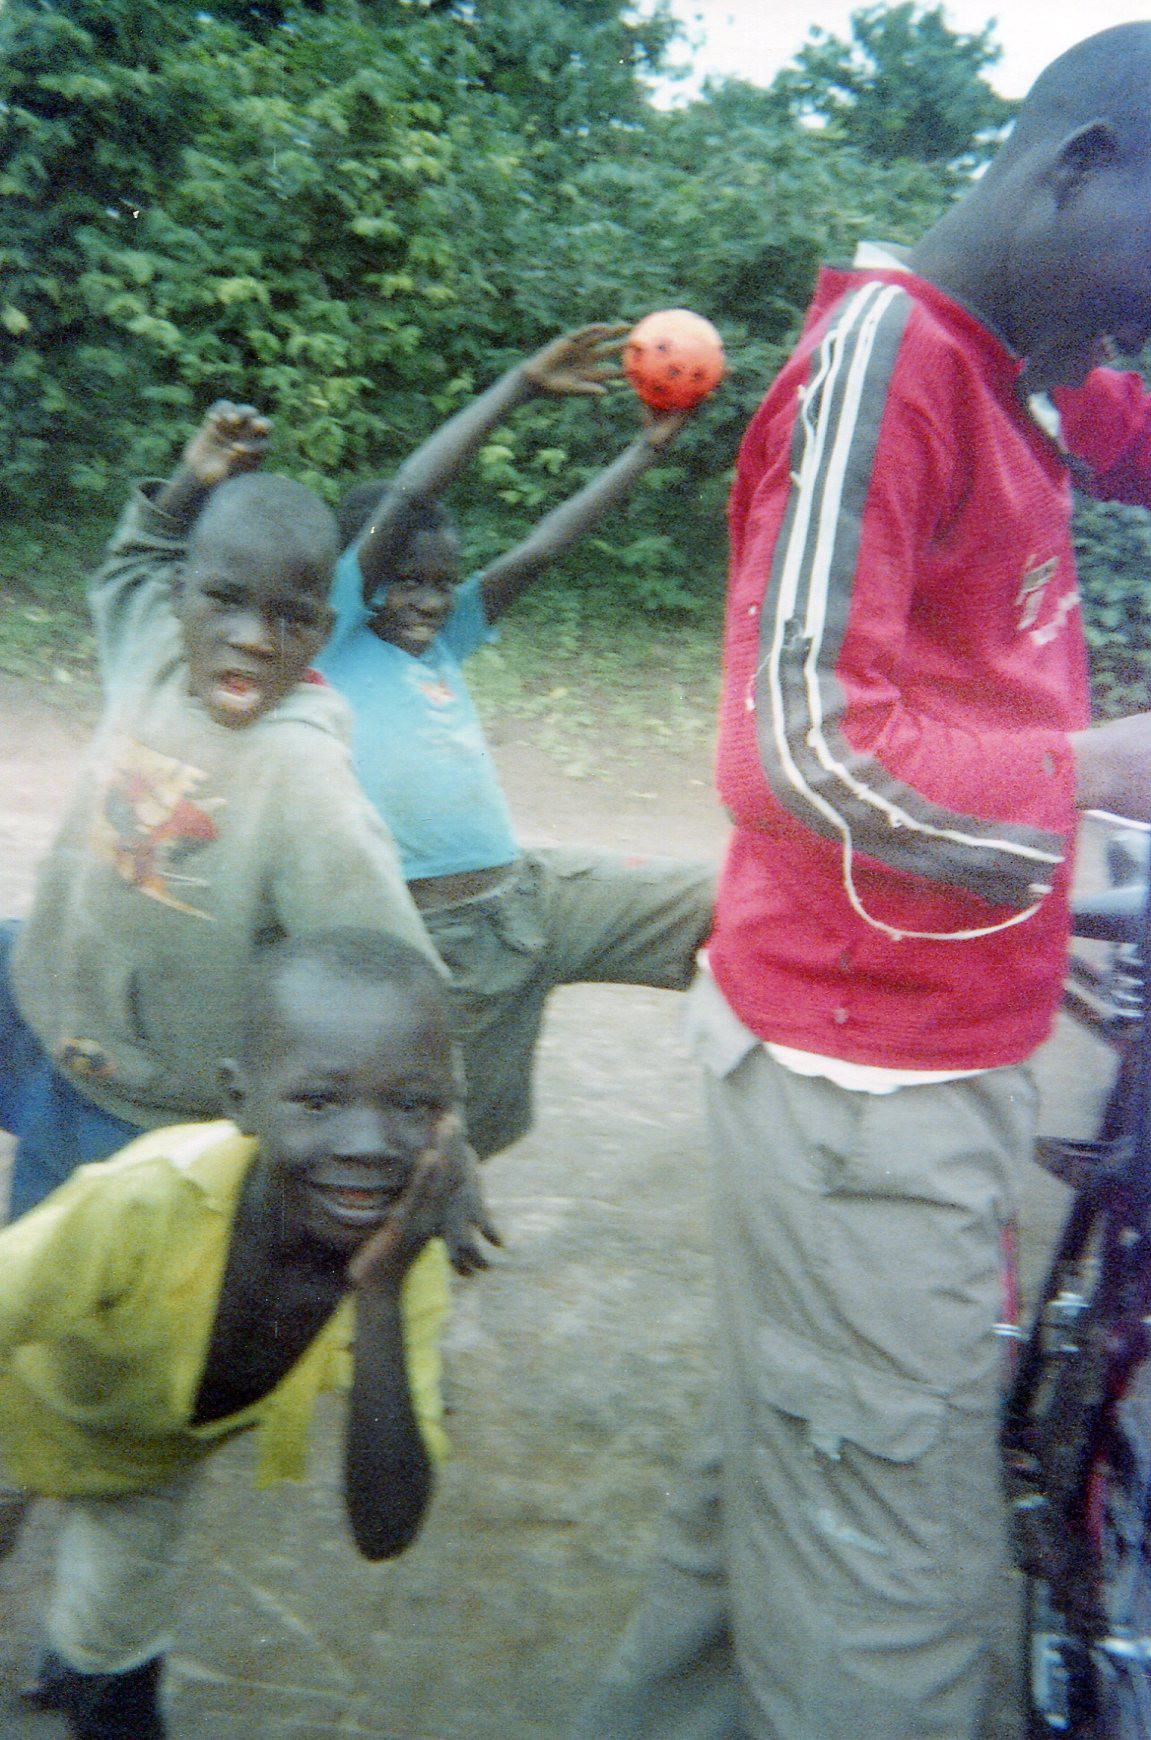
x,y
586,690
45,632
591,693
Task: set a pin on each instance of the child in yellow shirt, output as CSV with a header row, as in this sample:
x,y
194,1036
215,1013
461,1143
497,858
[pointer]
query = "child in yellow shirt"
x,y
209,1280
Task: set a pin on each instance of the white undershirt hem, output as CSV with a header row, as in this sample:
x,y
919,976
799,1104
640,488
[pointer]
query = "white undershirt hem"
x,y
861,1078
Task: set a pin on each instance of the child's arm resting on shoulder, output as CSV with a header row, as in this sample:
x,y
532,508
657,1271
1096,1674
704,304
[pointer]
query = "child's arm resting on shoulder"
x,y
331,860
387,1470
579,362
510,575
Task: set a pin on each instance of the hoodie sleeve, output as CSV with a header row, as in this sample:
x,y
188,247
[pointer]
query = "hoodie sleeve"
x,y
130,595
335,860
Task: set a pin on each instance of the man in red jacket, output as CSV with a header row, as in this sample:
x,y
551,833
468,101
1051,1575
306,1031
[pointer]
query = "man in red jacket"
x,y
904,750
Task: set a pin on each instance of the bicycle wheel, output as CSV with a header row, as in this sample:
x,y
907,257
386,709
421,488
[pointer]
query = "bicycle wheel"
x,y
1088,1622
1060,1688
1099,1688
1120,1502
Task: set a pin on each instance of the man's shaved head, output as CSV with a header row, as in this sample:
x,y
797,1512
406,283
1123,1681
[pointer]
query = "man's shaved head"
x,y
1106,77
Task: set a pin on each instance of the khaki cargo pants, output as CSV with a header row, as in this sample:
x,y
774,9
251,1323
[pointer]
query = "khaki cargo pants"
x,y
830,1568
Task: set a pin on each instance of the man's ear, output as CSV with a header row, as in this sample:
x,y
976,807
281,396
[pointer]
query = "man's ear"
x,y
1092,147
234,1091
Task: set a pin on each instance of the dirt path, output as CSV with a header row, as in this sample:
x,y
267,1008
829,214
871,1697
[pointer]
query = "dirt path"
x,y
576,1368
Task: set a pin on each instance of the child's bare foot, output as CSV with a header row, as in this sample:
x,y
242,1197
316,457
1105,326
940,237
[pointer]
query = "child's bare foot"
x,y
232,438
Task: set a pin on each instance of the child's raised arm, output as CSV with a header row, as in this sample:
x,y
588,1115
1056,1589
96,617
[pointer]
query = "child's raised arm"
x,y
509,575
579,362
387,1470
231,439
130,594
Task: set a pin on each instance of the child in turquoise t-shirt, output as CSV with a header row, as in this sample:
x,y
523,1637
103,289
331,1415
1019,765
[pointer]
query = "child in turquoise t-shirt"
x,y
509,925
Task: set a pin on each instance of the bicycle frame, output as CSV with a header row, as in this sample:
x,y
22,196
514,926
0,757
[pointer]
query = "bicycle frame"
x,y
1076,1434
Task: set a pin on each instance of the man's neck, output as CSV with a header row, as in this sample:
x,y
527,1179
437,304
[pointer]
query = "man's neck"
x,y
960,258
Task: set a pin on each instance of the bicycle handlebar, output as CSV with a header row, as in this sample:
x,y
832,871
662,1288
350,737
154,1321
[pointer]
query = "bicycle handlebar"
x,y
1115,915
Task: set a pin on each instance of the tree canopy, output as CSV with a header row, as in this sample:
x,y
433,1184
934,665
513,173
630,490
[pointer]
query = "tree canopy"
x,y
903,85
357,213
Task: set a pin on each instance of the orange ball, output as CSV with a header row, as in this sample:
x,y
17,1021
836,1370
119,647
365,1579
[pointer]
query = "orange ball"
x,y
673,359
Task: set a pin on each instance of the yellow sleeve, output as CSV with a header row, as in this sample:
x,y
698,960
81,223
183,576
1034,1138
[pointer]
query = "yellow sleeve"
x,y
71,1256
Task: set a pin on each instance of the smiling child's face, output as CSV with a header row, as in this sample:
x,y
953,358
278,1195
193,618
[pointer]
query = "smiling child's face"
x,y
344,1094
420,594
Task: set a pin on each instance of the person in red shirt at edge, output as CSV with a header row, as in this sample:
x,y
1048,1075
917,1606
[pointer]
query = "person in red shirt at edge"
x,y
904,750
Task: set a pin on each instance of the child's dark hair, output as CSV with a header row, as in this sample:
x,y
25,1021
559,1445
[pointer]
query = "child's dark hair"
x,y
276,513
356,507
358,955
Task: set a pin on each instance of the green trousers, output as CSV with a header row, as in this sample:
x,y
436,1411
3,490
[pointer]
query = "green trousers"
x,y
831,1565
563,918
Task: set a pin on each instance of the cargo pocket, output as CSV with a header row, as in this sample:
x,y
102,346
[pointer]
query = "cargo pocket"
x,y
471,942
845,1402
890,1492
491,948
518,919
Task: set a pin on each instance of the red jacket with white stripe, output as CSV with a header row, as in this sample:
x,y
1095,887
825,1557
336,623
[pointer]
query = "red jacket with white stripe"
x,y
904,661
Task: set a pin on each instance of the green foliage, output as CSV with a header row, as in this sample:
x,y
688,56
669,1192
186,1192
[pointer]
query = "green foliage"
x,y
358,214
727,207
45,631
904,86
615,686
569,71
1113,553
311,217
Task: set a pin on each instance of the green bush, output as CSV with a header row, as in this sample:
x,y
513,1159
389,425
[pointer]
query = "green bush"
x,y
357,215
1113,551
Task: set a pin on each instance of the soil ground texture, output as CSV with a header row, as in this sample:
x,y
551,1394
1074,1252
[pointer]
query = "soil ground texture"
x,y
576,1367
